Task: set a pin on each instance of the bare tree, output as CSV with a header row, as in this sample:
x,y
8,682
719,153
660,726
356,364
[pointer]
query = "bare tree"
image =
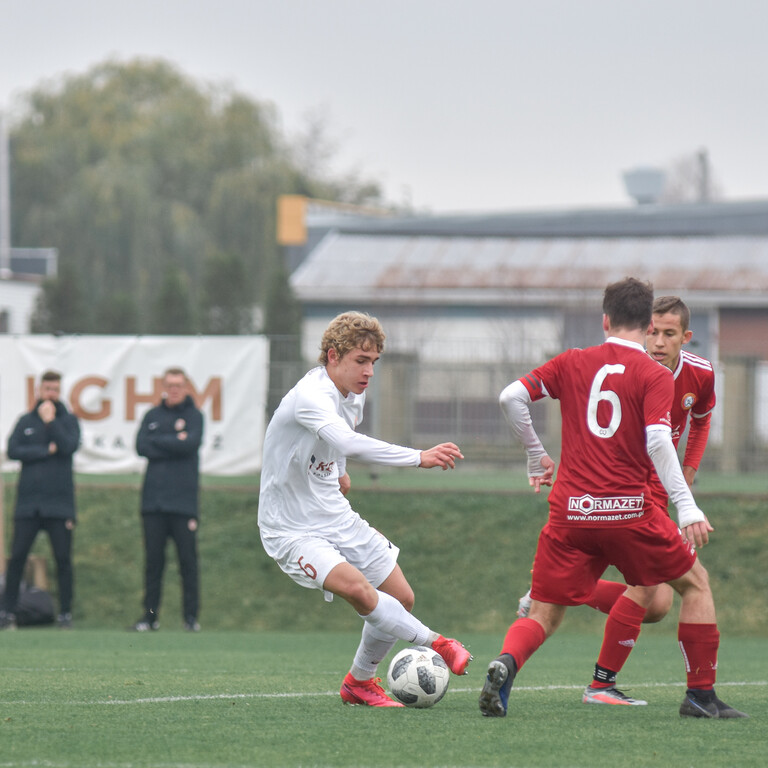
x,y
315,153
689,178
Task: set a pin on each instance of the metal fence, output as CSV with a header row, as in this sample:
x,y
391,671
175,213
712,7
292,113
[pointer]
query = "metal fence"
x,y
420,403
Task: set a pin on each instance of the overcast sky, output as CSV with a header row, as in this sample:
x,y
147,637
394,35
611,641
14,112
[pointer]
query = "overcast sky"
x,y
453,105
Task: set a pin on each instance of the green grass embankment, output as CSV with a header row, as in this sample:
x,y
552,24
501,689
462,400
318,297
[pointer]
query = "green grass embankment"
x,y
466,553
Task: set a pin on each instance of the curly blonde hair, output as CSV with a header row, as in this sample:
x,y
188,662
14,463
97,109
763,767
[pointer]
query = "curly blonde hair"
x,y
350,330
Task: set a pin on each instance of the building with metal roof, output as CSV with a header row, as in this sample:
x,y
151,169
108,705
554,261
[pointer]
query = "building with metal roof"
x,y
554,263
517,288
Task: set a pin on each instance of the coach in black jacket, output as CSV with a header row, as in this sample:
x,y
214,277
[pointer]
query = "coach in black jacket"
x,y
43,440
170,437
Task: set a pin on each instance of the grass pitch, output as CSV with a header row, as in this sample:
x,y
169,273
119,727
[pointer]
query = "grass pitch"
x,y
259,686
109,699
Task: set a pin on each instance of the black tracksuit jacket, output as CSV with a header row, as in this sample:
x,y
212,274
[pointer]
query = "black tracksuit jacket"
x,y
171,479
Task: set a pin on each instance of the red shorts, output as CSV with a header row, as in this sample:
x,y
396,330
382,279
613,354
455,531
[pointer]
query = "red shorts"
x,y
570,560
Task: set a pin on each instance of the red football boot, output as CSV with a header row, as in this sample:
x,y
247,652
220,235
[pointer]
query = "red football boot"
x,y
367,692
455,655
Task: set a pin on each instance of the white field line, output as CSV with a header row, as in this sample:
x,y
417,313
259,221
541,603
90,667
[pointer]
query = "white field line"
x,y
304,694
172,699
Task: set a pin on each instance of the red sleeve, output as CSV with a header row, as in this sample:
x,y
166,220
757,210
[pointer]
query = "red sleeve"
x,y
658,404
706,397
701,417
698,433
534,385
544,380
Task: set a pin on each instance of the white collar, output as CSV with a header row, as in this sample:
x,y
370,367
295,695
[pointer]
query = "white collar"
x,y
625,343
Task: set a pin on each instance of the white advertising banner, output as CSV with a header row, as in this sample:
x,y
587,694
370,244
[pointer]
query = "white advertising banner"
x,y
109,382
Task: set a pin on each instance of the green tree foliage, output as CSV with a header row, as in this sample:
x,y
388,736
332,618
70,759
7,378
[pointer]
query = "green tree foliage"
x,y
228,306
172,312
61,304
159,194
283,316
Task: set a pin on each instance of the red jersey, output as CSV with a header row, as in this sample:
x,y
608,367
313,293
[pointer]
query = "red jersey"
x,y
609,395
695,396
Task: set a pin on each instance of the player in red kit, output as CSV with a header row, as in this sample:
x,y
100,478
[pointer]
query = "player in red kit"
x,y
694,382
695,398
615,403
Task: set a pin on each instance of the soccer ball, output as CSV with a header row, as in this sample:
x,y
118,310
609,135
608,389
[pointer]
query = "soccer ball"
x,y
418,677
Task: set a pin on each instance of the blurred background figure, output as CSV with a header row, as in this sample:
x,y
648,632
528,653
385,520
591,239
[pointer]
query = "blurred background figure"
x,y
43,440
169,437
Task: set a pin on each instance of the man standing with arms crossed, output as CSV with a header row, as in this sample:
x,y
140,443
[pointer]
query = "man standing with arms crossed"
x,y
615,405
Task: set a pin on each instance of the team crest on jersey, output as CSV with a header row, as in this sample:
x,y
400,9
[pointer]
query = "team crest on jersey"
x,y
688,401
321,469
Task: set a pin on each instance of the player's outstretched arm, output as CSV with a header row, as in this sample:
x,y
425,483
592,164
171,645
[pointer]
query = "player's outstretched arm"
x,y
443,455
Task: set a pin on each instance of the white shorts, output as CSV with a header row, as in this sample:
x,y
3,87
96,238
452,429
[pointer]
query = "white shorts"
x,y
308,558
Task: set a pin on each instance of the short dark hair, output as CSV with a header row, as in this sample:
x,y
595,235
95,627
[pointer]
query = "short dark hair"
x,y
676,306
51,376
175,371
628,304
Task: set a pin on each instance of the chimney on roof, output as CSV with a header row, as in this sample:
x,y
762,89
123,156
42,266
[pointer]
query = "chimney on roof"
x,y
644,185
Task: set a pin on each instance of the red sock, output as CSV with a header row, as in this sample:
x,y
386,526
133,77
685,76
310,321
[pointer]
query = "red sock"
x,y
622,628
699,644
605,595
523,638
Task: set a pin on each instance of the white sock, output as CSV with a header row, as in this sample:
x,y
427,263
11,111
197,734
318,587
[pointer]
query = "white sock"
x,y
374,646
390,618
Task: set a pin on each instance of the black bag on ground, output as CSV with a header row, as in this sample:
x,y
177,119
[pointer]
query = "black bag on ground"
x,y
34,607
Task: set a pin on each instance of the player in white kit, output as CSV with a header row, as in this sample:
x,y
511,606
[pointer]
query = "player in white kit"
x,y
308,526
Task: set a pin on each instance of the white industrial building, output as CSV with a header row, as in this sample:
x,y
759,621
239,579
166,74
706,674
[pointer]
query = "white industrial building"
x,y
479,297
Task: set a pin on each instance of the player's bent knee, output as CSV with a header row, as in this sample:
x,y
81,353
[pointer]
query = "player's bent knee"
x,y
660,605
362,600
656,613
696,578
352,586
699,575
397,585
547,615
403,594
407,600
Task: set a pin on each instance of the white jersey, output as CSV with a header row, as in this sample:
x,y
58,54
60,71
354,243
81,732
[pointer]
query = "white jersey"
x,y
301,467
